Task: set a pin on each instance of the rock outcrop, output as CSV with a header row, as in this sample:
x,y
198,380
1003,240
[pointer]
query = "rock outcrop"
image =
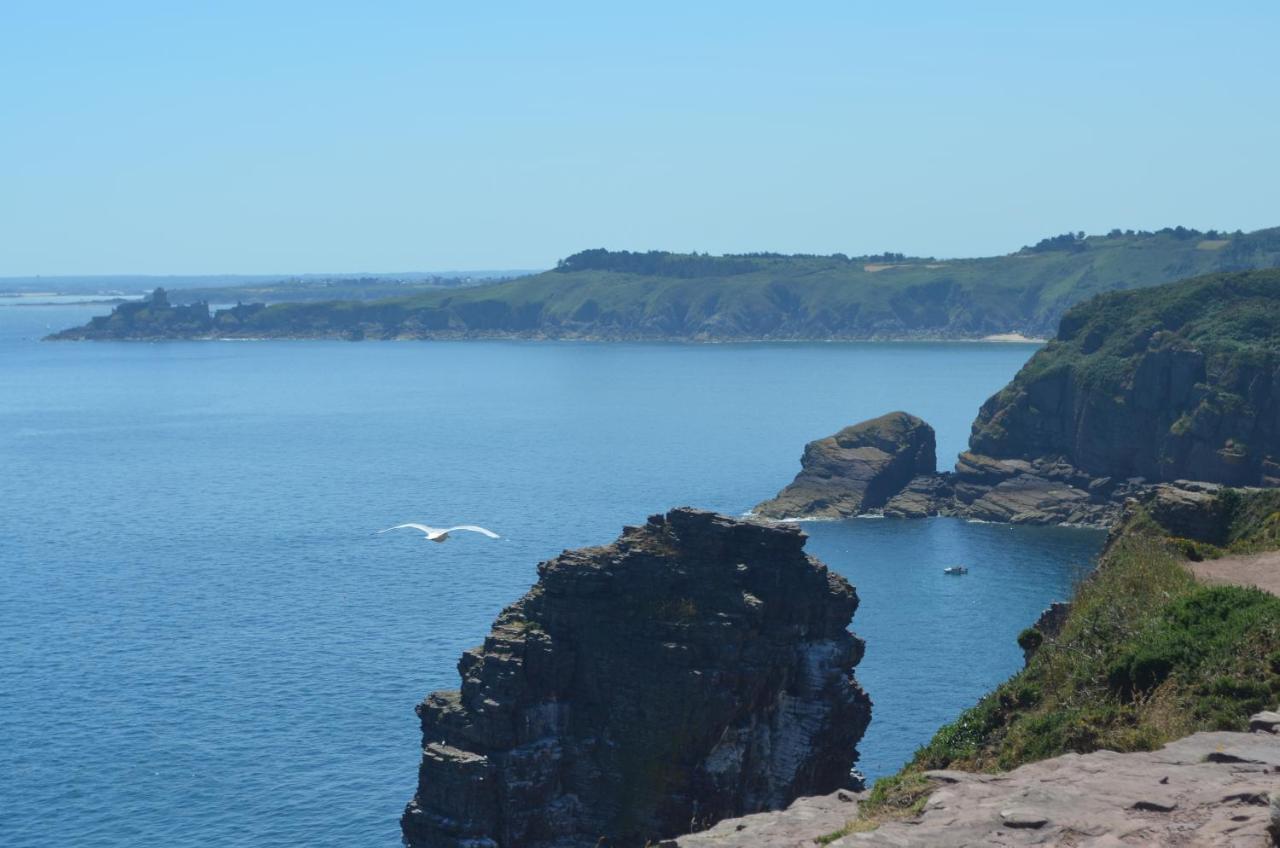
x,y
1207,789
697,668
1038,491
156,318
858,469
1047,627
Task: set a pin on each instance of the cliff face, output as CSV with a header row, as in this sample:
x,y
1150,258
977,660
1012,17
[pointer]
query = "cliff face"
x,y
857,469
1177,382
1180,381
697,668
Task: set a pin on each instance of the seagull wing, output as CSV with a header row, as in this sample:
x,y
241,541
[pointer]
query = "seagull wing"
x,y
424,528
475,529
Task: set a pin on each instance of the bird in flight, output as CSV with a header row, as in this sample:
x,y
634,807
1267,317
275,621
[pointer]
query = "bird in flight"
x,y
440,534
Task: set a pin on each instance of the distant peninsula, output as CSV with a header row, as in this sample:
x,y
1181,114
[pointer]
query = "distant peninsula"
x,y
622,295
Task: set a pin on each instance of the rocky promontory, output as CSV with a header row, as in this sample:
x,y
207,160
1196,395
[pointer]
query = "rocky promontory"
x,y
156,318
857,469
697,668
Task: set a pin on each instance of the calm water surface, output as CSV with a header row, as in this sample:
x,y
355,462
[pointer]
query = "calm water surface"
x,y
203,644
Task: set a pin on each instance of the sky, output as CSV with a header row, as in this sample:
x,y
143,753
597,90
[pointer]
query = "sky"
x,y
292,137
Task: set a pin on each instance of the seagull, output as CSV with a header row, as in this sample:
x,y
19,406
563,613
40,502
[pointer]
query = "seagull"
x,y
440,534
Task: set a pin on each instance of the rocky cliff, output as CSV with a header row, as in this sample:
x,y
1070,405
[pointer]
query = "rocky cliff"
x,y
697,668
1163,385
857,469
1174,382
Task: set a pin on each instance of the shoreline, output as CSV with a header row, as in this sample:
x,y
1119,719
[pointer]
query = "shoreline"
x,y
999,339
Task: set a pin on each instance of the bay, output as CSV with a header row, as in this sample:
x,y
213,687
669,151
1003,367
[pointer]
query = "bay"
x,y
204,643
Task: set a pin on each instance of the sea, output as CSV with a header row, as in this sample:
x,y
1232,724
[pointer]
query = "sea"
x,y
205,642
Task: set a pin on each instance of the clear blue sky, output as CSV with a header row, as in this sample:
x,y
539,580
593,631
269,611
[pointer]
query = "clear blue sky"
x,y
176,137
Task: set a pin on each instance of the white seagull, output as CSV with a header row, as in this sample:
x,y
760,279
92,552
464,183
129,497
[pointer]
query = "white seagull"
x,y
439,534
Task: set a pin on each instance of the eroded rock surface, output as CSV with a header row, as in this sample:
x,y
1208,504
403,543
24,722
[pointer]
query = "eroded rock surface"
x,y
795,827
1209,789
1037,491
858,469
697,668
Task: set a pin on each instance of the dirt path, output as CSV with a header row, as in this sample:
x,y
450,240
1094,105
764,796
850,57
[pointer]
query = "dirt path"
x,y
1260,570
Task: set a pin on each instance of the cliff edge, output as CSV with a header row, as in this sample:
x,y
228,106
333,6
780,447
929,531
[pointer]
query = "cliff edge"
x,y
1209,789
697,668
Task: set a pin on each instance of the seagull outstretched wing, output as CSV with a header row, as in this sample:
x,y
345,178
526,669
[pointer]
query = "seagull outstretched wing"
x,y
474,529
424,528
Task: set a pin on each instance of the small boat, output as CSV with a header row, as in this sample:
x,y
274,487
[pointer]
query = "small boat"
x,y
955,569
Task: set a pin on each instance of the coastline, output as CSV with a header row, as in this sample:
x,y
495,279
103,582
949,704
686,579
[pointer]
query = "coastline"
x,y
1001,338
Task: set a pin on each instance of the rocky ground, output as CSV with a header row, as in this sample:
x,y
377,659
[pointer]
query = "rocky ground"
x,y
1209,789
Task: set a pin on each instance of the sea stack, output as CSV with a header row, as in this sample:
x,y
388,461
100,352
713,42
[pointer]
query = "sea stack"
x,y
698,668
858,469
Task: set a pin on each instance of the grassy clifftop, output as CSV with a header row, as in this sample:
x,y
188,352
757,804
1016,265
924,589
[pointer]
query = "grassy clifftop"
x,y
658,295
1146,655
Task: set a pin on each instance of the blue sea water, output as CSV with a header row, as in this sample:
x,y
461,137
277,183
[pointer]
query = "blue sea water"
x,y
203,643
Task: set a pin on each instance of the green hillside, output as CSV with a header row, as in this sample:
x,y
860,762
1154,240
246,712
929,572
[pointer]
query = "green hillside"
x,y
621,295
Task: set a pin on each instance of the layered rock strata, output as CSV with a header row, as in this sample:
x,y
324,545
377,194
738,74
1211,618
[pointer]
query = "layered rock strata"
x,y
858,469
697,668
1173,383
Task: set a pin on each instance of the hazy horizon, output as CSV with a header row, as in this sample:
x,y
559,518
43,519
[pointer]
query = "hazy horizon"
x,y
260,276
151,139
